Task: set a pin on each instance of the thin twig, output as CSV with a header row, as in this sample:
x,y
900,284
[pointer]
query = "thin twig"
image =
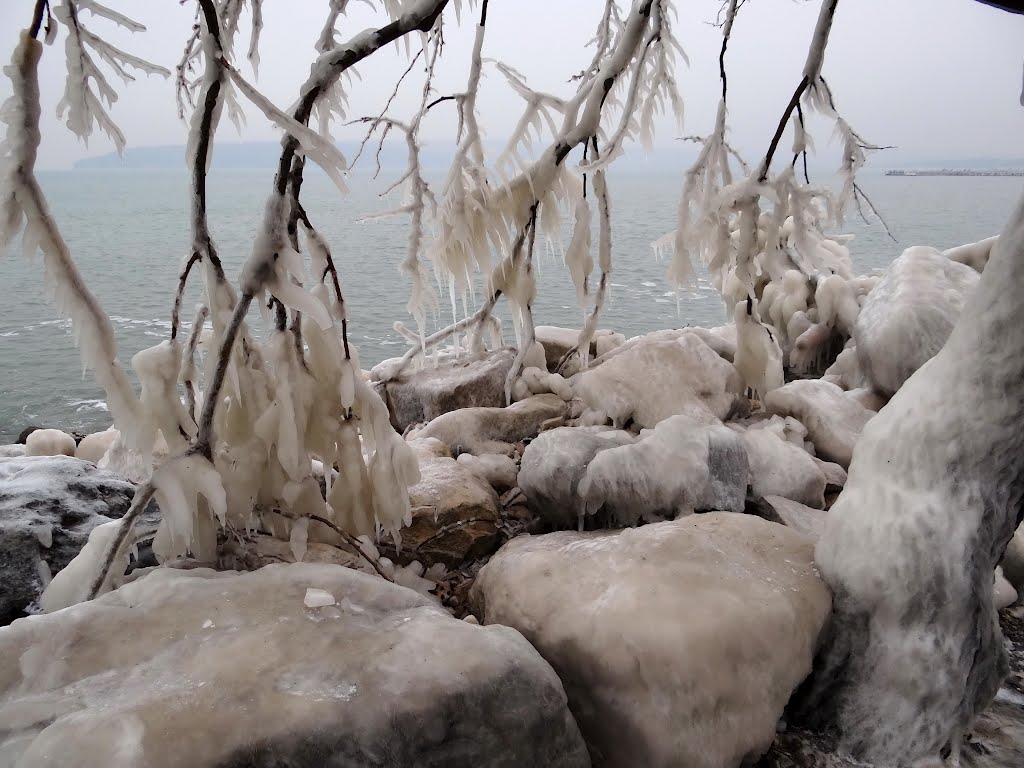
x,y
190,356
212,395
353,542
859,193
179,295
446,529
139,503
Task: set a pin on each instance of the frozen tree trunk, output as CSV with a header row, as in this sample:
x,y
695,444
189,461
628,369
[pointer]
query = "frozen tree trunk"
x,y
914,651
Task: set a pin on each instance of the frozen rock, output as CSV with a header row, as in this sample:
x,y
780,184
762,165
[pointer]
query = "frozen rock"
x,y
541,383
974,255
455,515
909,315
868,398
1013,561
200,669
835,476
553,465
676,468
678,643
49,442
648,381
1003,593
494,430
834,420
779,468
914,652
558,341
498,470
464,381
803,519
722,339
94,446
605,341
48,506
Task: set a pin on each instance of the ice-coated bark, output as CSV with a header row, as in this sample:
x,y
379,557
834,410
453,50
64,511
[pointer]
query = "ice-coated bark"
x,y
914,651
909,315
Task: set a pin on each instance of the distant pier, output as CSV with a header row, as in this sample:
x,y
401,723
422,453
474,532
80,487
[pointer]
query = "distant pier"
x,y
958,172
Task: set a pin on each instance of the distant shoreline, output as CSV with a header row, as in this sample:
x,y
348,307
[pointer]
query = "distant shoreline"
x,y
958,172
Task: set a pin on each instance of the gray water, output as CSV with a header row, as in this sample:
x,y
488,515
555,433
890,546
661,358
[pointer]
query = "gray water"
x,y
128,232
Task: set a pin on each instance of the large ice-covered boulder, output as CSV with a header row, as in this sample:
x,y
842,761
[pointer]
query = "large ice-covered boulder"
x,y
48,506
649,379
298,665
417,395
678,643
494,430
909,315
554,464
834,420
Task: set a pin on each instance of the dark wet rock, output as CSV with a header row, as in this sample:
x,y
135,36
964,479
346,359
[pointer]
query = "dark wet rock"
x,y
48,506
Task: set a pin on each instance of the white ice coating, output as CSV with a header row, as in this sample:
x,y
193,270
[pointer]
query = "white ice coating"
x,y
758,355
187,523
71,585
933,495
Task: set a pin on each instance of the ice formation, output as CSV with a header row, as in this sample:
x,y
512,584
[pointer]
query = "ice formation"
x,y
758,356
909,315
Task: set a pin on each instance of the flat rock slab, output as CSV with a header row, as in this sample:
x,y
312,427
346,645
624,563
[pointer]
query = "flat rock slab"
x,y
466,381
494,430
834,420
678,643
48,506
196,669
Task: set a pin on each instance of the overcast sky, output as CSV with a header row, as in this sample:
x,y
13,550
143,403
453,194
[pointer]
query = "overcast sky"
x,y
934,77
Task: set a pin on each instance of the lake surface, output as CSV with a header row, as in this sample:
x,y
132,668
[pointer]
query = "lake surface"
x,y
128,232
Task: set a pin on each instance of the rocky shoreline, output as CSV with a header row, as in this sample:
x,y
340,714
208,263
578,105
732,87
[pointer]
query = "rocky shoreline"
x,y
636,539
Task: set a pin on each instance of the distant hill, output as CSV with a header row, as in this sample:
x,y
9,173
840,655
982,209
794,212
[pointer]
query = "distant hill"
x,y
434,155
255,155
263,155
